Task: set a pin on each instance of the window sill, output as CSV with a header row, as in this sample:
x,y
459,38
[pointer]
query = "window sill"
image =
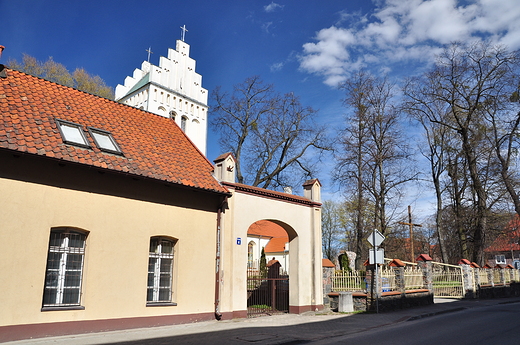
x,y
161,304
73,307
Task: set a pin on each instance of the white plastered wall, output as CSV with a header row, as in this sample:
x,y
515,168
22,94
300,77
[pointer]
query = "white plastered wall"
x,y
303,224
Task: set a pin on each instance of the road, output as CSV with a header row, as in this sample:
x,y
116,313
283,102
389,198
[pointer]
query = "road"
x,y
498,324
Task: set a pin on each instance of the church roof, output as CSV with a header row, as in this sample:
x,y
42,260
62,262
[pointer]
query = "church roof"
x,y
152,146
144,80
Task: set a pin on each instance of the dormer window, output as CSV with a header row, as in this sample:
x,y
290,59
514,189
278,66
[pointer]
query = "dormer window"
x,y
72,133
104,140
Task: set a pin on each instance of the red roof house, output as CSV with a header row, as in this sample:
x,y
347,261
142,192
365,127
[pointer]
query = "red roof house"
x,y
87,182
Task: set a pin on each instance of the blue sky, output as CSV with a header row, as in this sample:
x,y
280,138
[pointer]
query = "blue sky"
x,y
302,46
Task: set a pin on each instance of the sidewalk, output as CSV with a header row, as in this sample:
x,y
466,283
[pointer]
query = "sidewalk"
x,y
270,330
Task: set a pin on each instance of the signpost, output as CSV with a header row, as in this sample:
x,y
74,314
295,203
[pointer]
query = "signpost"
x,y
376,257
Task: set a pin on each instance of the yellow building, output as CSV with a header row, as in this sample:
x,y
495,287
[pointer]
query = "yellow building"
x,y
108,214
111,219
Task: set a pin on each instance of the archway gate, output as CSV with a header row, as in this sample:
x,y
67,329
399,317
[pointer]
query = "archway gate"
x,y
244,290
267,290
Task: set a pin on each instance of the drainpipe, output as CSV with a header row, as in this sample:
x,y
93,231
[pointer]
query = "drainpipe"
x,y
218,314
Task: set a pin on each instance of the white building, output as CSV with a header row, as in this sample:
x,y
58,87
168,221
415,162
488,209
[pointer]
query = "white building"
x,y
172,89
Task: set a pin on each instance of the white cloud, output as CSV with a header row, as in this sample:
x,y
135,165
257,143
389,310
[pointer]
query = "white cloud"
x,y
400,31
276,66
273,7
265,26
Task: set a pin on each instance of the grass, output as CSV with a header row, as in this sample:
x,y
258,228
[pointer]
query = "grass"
x,y
260,306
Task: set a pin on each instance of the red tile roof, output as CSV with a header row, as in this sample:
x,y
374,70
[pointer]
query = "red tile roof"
x,y
276,245
277,234
266,228
270,193
327,263
153,146
507,241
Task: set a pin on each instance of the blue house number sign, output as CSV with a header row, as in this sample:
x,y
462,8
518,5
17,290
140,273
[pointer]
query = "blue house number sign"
x,y
239,241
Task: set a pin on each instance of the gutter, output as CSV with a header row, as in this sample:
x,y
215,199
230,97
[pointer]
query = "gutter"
x,y
218,314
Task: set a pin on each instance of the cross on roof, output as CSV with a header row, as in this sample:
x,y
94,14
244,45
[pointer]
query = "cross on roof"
x,y
149,50
183,28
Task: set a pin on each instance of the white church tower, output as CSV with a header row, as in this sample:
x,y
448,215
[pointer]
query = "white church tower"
x,y
172,89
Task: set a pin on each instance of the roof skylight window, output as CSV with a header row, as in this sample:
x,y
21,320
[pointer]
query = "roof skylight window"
x,y
104,141
72,133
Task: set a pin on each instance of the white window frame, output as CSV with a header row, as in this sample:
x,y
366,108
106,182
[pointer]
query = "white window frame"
x,y
497,257
62,272
156,260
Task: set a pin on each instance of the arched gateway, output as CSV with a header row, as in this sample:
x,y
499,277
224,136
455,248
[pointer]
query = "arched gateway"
x,y
300,218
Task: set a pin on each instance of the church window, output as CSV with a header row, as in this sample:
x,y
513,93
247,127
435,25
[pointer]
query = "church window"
x,y
160,270
72,133
184,120
104,140
63,276
250,252
173,115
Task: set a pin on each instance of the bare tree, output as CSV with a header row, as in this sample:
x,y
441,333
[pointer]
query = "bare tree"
x,y
374,160
435,152
274,138
468,81
333,220
352,159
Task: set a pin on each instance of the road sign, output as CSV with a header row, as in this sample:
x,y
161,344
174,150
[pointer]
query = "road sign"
x,y
379,256
376,238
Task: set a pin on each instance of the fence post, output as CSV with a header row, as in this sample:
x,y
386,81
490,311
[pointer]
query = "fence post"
x,y
476,277
511,275
328,271
501,274
468,276
400,283
490,274
424,261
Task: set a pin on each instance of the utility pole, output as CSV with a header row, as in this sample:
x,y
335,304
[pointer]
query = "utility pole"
x,y
411,225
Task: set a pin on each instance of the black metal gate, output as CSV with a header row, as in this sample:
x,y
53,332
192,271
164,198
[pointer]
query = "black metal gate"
x,y
267,291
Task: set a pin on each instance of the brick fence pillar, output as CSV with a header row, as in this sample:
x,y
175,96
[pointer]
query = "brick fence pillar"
x,y
476,278
490,274
400,284
424,261
327,284
501,274
468,279
510,273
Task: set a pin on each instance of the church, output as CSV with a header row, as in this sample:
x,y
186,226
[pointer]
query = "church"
x,y
173,90
113,218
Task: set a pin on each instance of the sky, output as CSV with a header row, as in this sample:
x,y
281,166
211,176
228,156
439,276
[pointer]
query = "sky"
x,y
306,47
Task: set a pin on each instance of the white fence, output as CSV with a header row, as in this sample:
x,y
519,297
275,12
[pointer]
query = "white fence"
x,y
447,280
343,280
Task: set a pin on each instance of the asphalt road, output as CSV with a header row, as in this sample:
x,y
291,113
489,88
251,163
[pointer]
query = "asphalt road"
x,y
497,324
